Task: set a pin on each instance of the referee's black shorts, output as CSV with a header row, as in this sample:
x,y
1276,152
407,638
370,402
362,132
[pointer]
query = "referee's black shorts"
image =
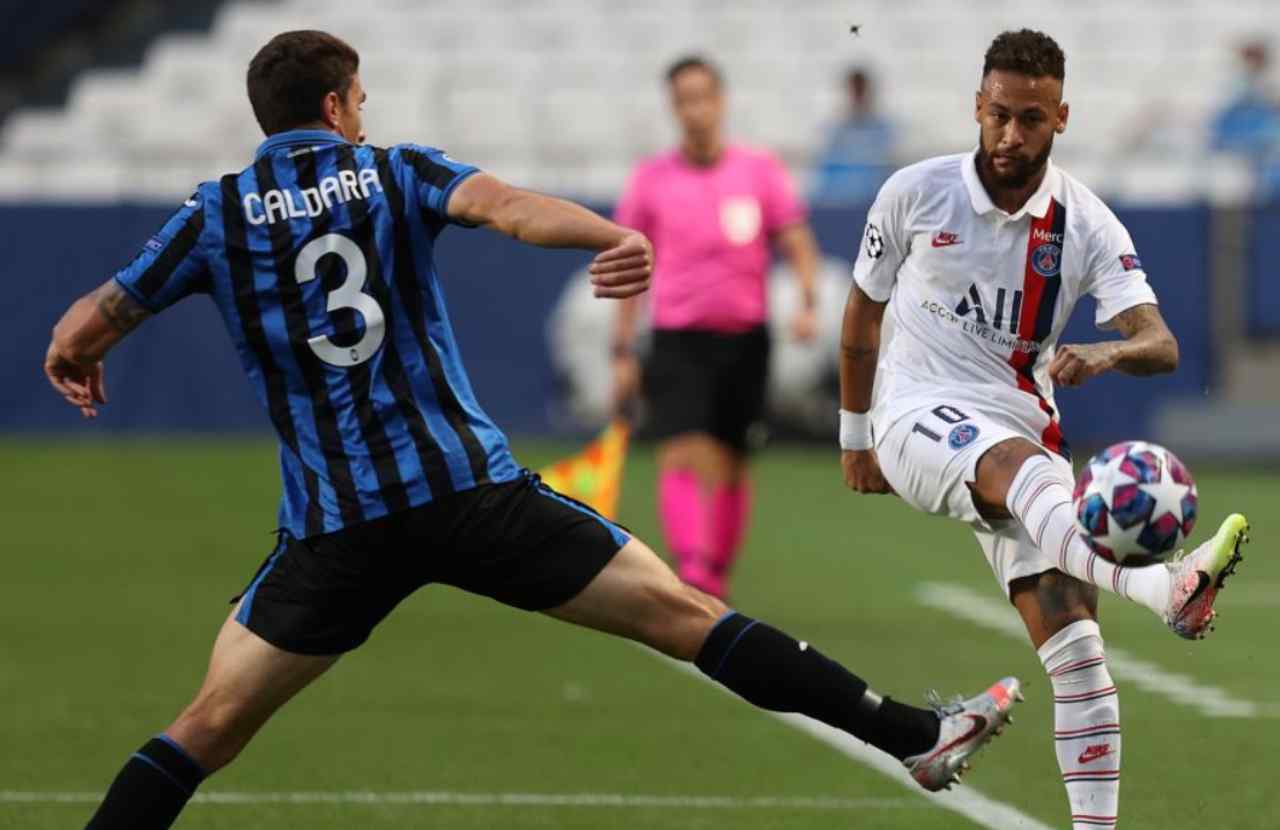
x,y
519,542
706,381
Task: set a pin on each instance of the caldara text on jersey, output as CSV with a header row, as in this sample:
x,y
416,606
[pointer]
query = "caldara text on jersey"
x,y
346,186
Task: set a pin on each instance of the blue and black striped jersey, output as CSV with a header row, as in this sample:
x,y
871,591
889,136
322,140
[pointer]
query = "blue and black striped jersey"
x,y
320,259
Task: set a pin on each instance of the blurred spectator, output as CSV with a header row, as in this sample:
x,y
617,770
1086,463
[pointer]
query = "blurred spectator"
x,y
1249,125
858,154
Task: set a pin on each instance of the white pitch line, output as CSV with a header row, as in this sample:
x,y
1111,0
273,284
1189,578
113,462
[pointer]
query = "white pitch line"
x,y
1211,701
968,802
431,798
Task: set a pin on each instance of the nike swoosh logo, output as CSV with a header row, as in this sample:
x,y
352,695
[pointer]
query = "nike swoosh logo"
x,y
979,724
943,240
1093,753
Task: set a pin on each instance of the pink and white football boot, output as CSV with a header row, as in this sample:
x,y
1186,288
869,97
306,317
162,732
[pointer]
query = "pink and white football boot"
x,y
1198,576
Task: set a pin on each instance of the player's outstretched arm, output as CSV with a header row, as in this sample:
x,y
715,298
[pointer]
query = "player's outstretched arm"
x,y
81,339
859,354
624,264
1149,348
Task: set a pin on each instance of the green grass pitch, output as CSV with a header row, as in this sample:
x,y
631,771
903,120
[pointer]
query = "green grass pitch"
x,y
119,559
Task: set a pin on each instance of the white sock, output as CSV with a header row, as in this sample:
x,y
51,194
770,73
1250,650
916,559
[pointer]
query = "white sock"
x,y
1040,498
1086,723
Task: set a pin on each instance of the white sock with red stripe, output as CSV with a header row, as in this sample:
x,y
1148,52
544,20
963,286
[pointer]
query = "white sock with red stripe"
x,y
1040,498
1086,723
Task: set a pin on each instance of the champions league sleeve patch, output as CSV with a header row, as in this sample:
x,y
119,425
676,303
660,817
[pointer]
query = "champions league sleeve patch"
x,y
874,241
1130,262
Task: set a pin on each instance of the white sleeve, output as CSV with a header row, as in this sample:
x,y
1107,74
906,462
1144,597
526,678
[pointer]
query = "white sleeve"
x,y
1114,273
885,243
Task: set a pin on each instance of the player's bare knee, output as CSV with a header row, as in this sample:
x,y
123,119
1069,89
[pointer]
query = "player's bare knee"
x,y
681,618
1068,599
214,730
1008,456
696,613
995,472
1049,602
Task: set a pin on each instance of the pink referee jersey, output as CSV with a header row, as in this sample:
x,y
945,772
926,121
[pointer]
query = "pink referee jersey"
x,y
710,228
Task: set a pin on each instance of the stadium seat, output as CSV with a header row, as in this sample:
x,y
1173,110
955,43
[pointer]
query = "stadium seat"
x,y
534,87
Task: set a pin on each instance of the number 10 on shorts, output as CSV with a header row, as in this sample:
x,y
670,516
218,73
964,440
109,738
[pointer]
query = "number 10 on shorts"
x,y
961,434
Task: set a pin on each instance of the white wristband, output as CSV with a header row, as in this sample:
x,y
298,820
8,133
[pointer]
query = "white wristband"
x,y
855,430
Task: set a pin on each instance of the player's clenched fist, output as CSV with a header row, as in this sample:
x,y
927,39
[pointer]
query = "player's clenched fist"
x,y
623,270
1073,365
862,472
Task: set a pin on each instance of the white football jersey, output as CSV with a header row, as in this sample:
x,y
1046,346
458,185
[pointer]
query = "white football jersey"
x,y
978,297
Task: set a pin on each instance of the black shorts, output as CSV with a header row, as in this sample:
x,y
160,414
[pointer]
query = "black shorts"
x,y
519,542
704,381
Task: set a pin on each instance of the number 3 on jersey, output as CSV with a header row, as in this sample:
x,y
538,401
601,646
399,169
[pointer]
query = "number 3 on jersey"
x,y
348,295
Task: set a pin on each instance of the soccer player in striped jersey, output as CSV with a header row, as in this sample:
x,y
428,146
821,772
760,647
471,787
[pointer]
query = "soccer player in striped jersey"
x,y
319,258
980,258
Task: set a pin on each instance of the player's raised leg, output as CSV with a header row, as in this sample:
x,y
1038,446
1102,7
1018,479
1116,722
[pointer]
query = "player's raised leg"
x,y
638,597
1018,476
247,681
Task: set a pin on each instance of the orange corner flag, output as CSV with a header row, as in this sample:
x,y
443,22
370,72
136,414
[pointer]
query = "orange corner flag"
x,y
594,476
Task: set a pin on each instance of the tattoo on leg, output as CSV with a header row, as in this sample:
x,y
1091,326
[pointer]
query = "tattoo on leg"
x,y
1064,599
121,310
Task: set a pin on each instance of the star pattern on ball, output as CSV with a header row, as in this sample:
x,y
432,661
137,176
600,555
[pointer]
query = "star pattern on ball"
x,y
1114,473
1169,496
1135,503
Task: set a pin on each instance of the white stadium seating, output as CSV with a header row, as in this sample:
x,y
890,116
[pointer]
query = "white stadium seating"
x,y
565,95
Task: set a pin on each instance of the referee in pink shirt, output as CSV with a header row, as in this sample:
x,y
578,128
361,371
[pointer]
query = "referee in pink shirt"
x,y
714,211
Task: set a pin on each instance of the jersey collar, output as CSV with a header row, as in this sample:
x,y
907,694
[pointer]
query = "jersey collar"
x,y
291,138
1037,205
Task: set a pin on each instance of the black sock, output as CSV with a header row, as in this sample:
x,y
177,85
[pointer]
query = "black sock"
x,y
151,790
902,730
773,671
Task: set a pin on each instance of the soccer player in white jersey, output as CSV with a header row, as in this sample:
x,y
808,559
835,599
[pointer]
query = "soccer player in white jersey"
x,y
980,258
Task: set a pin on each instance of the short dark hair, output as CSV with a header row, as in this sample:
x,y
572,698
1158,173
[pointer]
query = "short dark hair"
x,y
694,62
290,76
1026,52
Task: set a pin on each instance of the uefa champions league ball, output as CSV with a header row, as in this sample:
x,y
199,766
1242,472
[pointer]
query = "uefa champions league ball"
x,y
1135,503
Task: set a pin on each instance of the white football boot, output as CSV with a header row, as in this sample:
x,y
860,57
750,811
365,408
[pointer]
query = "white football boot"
x,y
966,726
1198,576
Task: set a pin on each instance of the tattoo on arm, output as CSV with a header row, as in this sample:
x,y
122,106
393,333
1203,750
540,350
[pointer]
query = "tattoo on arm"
x,y
122,311
1140,318
1151,347
860,353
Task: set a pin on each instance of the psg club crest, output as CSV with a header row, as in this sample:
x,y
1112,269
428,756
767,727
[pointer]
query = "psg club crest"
x,y
1047,260
962,436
